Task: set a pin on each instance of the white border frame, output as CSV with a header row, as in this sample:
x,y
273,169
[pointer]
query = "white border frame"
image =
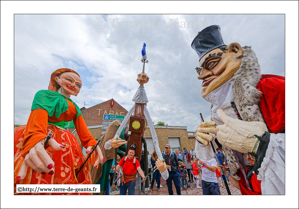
x,y
8,9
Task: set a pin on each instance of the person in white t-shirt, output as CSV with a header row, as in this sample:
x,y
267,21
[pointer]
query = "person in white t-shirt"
x,y
210,184
208,165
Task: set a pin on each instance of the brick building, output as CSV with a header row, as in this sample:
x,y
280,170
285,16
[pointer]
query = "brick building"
x,y
94,115
176,136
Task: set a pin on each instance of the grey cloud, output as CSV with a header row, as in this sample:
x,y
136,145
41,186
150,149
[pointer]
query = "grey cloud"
x,y
111,58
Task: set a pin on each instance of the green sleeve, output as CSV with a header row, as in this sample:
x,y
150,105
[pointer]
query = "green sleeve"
x,y
121,151
123,147
122,134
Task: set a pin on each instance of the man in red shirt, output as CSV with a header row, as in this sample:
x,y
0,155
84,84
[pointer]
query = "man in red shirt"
x,y
254,183
130,166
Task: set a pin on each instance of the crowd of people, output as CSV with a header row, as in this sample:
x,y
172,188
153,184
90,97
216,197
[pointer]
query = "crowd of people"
x,y
183,166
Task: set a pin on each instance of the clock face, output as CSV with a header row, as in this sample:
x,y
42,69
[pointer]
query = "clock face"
x,y
136,124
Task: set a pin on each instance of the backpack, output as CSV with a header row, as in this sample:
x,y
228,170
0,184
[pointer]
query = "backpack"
x,y
164,154
171,154
134,160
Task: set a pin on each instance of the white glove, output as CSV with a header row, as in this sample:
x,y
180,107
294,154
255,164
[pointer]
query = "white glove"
x,y
238,134
202,130
38,159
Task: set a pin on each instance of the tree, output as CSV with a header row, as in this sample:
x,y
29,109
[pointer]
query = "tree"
x,y
160,123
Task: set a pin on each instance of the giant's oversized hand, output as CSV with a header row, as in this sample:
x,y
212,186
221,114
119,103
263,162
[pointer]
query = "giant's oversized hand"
x,y
202,130
100,158
38,159
239,135
161,165
117,142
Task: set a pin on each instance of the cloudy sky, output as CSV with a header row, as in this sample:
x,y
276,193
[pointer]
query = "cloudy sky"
x,y
106,51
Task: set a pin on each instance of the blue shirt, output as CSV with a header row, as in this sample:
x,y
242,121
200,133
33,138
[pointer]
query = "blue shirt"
x,y
219,157
113,163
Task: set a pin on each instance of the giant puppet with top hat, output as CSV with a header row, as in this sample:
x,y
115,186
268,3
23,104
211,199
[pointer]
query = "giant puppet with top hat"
x,y
247,112
45,152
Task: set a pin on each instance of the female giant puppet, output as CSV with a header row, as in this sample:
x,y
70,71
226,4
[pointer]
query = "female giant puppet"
x,y
62,158
232,73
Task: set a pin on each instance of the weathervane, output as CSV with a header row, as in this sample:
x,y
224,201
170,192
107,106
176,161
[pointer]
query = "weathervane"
x,y
144,57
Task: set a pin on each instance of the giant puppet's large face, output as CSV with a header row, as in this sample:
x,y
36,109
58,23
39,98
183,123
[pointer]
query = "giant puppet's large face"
x,y
70,83
217,67
142,78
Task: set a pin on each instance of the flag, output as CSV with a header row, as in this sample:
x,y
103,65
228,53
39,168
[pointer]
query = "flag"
x,y
112,103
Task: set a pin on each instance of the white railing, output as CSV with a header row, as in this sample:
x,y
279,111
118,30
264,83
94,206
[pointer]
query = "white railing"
x,y
191,133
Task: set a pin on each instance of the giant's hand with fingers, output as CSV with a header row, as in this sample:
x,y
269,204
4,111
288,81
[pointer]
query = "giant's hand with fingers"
x,y
238,134
202,131
234,133
161,165
100,158
39,160
117,142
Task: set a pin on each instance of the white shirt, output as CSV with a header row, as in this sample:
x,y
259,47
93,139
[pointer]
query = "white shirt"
x,y
208,175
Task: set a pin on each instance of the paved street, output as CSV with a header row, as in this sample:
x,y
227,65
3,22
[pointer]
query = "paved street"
x,y
192,190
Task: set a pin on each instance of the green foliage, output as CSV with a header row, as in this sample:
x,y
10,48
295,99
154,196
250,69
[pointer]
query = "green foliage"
x,y
16,125
160,123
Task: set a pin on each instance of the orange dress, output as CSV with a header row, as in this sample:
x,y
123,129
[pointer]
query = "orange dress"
x,y
66,161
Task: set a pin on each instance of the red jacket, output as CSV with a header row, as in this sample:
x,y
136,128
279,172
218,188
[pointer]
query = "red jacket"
x,y
272,103
272,106
195,169
188,157
254,183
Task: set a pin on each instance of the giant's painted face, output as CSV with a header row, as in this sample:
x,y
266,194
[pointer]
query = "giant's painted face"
x,y
217,67
142,78
70,82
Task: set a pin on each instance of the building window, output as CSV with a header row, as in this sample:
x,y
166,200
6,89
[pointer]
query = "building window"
x,y
174,143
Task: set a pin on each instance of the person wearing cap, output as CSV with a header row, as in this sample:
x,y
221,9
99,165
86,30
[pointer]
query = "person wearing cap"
x,y
232,73
172,165
62,158
130,165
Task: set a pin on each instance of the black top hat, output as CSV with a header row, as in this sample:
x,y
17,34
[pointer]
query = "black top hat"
x,y
206,40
